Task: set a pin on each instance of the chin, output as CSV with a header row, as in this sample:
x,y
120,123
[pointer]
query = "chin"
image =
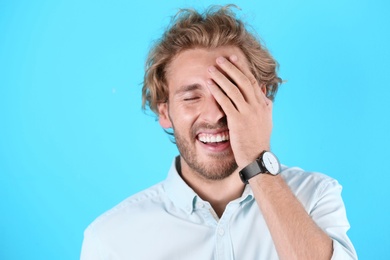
x,y
218,168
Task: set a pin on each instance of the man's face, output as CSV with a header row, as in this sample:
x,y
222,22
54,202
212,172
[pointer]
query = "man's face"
x,y
199,124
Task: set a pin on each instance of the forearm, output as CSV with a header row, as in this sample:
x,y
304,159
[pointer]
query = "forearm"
x,y
295,234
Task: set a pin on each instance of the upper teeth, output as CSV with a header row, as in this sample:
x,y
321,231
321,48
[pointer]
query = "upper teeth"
x,y
214,138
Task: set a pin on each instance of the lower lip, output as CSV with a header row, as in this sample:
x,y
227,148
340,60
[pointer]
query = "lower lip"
x,y
216,147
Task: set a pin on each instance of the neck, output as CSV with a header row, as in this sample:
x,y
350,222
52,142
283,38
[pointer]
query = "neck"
x,y
217,192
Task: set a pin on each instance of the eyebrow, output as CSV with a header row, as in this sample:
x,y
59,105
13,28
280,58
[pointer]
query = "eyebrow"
x,y
187,88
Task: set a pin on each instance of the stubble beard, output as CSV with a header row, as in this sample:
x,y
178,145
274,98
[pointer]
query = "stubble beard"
x,y
220,167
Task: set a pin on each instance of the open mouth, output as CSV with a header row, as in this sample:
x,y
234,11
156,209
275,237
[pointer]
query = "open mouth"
x,y
217,138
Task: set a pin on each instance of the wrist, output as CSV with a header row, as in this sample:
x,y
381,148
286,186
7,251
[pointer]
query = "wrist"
x,y
263,179
266,163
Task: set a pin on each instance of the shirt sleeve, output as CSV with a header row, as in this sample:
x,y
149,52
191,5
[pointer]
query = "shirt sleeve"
x,y
90,248
330,215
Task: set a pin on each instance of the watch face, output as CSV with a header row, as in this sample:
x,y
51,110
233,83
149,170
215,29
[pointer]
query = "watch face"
x,y
271,163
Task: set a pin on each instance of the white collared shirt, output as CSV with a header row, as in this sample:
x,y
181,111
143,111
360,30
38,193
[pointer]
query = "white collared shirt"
x,y
170,221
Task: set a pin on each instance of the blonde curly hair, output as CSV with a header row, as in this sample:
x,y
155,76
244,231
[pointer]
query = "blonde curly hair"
x,y
216,27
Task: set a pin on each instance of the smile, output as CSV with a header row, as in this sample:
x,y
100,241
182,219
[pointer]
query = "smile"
x,y
214,138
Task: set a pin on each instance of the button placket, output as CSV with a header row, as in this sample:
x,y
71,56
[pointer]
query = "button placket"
x,y
224,249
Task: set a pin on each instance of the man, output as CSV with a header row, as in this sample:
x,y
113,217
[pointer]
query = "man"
x,y
226,196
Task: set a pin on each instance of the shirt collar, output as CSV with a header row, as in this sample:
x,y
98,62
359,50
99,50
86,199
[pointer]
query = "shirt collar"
x,y
184,197
178,191
247,195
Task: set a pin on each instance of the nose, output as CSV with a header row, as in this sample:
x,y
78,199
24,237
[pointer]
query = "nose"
x,y
212,111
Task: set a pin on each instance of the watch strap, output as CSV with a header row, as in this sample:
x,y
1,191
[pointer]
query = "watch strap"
x,y
251,170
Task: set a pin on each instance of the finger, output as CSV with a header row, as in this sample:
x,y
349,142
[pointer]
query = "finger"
x,y
231,91
222,99
239,78
243,66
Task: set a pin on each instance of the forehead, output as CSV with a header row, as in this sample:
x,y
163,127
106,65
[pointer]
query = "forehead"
x,y
191,65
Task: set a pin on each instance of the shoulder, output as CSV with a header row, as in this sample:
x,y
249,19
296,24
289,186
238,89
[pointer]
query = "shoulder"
x,y
308,186
296,176
131,210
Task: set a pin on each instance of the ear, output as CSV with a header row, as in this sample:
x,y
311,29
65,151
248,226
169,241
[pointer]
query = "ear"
x,y
163,117
264,89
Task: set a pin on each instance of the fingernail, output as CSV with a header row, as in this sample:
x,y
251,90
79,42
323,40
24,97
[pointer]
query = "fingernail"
x,y
221,60
209,82
233,58
211,69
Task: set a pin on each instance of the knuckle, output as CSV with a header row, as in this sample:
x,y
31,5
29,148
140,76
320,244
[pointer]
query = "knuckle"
x,y
252,80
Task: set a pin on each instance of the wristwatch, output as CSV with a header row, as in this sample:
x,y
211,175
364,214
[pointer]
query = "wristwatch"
x,y
266,163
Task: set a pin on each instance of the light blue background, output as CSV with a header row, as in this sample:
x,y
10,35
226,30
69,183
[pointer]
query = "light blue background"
x,y
74,141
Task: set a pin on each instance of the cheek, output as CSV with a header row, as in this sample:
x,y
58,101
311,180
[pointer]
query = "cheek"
x,y
183,118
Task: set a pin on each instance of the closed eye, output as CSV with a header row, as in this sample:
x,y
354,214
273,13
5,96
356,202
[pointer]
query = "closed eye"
x,y
191,98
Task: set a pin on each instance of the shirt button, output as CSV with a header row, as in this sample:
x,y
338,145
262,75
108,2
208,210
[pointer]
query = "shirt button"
x,y
221,231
